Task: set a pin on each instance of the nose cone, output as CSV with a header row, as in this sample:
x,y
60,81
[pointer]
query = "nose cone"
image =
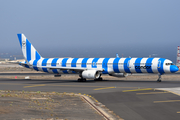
x,y
174,68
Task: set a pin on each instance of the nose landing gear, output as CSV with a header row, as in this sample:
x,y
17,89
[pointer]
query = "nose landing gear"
x,y
159,79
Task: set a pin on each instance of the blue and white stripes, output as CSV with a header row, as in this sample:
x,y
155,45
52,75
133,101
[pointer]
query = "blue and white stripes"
x,y
34,61
110,65
28,49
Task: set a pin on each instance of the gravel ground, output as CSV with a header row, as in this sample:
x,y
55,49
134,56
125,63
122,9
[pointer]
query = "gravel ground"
x,y
16,105
21,105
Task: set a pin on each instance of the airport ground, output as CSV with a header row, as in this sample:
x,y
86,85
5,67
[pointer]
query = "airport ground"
x,y
135,97
25,105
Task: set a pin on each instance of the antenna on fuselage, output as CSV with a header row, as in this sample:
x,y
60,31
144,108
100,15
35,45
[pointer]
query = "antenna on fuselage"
x,y
117,55
178,57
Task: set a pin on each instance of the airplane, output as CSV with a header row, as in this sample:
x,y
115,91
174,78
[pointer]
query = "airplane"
x,y
93,68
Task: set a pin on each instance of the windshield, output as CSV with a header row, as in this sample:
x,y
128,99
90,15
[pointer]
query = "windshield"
x,y
170,64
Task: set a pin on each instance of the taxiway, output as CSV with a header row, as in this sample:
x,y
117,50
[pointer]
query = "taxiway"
x,y
130,99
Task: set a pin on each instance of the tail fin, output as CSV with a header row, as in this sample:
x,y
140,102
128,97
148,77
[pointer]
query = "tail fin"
x,y
28,49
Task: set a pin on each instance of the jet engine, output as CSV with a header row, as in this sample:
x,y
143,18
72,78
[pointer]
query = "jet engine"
x,y
91,74
119,74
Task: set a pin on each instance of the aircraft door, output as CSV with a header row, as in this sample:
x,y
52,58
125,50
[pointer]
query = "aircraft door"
x,y
128,64
159,64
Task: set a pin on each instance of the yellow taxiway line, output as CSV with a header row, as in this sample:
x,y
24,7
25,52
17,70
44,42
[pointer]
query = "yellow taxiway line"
x,y
167,101
137,90
86,86
30,85
74,85
34,85
13,84
104,88
178,112
151,93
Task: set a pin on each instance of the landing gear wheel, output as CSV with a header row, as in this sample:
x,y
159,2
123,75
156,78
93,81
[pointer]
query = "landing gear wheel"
x,y
99,79
81,80
159,79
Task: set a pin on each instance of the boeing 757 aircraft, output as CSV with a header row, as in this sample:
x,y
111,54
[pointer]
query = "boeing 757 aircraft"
x,y
93,68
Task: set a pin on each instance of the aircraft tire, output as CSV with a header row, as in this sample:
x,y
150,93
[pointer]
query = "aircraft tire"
x,y
158,80
99,79
81,80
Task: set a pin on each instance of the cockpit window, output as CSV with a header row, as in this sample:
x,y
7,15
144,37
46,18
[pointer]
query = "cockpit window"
x,y
169,63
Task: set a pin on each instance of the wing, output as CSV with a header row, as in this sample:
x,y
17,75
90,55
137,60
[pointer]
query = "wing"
x,y
73,68
60,68
19,63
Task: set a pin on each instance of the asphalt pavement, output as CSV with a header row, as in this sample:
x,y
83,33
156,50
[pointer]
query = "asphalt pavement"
x,y
130,99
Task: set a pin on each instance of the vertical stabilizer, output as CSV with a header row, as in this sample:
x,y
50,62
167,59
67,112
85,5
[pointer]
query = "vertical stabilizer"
x,y
29,52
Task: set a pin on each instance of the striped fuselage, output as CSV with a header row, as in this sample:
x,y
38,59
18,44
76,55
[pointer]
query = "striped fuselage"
x,y
110,65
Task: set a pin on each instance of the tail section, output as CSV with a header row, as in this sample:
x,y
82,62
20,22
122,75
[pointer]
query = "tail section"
x,y
29,52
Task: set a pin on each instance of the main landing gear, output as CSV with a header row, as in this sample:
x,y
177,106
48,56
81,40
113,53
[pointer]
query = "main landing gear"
x,y
159,79
99,79
81,79
84,79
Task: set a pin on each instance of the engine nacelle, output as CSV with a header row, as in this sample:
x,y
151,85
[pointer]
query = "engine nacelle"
x,y
119,74
91,74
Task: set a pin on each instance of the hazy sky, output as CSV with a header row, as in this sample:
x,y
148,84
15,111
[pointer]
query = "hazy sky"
x,y
92,28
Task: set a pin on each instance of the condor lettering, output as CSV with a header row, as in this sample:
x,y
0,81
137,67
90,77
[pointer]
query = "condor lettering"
x,y
142,67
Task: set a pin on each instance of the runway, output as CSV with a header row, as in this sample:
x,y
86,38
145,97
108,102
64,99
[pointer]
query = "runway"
x,y
131,99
